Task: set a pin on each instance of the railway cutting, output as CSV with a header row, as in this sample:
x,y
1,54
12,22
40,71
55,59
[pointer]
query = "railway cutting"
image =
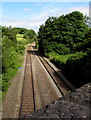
x,y
37,86
41,84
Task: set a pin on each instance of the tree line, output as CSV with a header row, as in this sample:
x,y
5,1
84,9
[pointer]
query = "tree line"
x,y
66,41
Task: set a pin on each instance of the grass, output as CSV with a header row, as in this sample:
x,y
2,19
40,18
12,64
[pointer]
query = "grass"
x,y
17,60
53,55
9,76
20,37
60,60
21,40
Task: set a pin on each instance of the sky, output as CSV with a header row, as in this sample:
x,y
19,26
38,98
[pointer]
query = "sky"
x,y
31,15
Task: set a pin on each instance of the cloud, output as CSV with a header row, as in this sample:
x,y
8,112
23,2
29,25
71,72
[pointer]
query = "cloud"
x,y
27,9
84,9
34,21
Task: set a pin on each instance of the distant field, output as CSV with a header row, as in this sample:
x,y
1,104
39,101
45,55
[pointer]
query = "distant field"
x,y
20,37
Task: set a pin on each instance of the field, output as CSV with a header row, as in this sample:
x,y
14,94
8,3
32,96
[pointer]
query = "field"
x,y
20,37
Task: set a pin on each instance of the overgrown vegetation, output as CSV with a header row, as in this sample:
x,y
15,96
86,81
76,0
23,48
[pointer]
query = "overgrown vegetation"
x,y
66,40
14,43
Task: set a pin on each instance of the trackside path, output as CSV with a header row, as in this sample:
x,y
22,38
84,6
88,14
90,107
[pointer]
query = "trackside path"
x,y
44,88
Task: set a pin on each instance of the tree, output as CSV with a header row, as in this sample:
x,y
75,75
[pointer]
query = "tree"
x,y
68,30
31,33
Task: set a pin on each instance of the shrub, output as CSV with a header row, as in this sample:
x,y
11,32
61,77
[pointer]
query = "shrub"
x,y
77,69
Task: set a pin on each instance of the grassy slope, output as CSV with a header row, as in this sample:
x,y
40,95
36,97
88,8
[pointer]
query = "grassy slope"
x,y
20,37
76,64
53,56
12,73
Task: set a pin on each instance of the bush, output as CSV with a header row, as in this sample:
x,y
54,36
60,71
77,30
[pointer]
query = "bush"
x,y
5,83
20,49
58,62
77,69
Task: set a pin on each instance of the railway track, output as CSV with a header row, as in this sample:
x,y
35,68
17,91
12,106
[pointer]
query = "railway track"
x,y
27,99
38,90
64,89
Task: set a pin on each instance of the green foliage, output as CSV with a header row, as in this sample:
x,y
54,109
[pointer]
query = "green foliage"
x,y
25,33
10,61
78,69
31,33
9,58
14,41
65,32
60,60
20,48
10,34
26,36
61,49
86,44
20,30
66,40
36,42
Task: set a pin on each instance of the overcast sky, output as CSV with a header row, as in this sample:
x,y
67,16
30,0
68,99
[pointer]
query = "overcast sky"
x,y
32,14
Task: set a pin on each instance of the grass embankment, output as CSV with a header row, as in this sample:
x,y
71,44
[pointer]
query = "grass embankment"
x,y
20,37
13,60
14,41
75,67
60,60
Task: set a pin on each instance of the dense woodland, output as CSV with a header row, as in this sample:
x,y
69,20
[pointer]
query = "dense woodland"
x,y
66,41
14,41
